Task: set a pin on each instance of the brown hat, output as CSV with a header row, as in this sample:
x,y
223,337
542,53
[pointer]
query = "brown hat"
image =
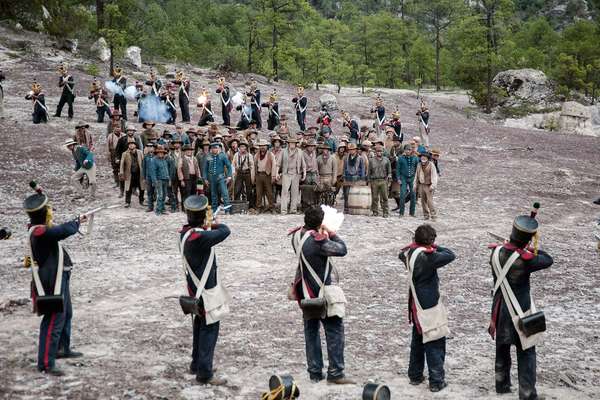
x,y
243,142
379,141
191,130
115,113
81,124
262,142
276,138
187,147
435,151
352,146
324,146
342,145
367,143
146,123
131,140
160,149
205,142
130,128
310,142
292,139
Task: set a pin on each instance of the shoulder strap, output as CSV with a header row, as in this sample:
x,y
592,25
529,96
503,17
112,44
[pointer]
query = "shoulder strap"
x,y
35,268
302,259
200,283
411,267
503,270
509,296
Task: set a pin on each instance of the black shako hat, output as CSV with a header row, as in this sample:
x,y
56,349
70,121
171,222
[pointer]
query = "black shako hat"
x,y
196,203
525,226
36,201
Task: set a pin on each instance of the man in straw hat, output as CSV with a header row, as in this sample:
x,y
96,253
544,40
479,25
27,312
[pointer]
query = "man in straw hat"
x,y
130,172
327,165
84,165
380,174
188,171
67,83
160,178
198,238
314,243
423,258
514,318
243,166
355,172
37,97
82,136
266,171
426,180
51,270
406,168
292,170
217,173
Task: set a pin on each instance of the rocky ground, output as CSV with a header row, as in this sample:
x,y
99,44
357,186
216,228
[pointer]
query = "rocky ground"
x,y
128,274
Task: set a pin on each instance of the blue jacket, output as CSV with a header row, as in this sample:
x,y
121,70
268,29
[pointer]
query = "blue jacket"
x,y
172,167
331,143
82,154
196,250
146,167
406,166
214,166
159,169
354,172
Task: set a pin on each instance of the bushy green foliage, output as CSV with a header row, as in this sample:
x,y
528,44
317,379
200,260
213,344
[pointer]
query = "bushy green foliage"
x,y
392,43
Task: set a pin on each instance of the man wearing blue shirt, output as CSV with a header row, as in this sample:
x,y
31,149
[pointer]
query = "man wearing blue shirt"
x,y
159,176
406,168
84,165
215,176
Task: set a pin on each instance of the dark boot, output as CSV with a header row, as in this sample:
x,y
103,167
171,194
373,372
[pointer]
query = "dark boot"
x,y
397,199
54,371
70,354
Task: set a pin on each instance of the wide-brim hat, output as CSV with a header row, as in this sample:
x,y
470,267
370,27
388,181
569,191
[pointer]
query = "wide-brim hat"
x,y
310,143
367,143
160,149
69,142
243,143
81,124
191,130
379,141
316,128
215,144
131,128
435,151
115,113
342,145
187,147
276,138
293,140
196,203
146,123
407,147
262,142
352,146
324,146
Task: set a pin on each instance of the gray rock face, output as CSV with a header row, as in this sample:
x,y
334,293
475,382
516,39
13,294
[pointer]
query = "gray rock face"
x,y
69,45
329,101
575,118
100,49
134,55
525,87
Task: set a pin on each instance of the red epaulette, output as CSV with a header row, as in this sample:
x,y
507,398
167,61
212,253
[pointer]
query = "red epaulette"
x,y
194,235
493,245
294,230
525,255
39,231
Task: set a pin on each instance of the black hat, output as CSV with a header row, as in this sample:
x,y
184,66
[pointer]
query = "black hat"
x,y
525,226
35,205
196,203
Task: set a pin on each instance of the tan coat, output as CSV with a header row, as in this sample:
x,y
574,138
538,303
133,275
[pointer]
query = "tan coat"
x,y
237,167
125,170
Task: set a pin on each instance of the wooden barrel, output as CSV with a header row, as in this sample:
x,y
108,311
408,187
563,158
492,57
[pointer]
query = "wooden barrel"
x,y
359,200
374,391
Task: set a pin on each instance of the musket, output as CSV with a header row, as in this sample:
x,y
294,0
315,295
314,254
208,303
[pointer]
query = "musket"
x,y
90,214
497,237
219,209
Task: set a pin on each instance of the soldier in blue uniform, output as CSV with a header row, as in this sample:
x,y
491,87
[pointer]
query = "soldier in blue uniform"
x,y
521,260
406,167
119,100
273,106
215,177
183,85
254,95
67,83
197,240
300,104
55,306
226,106
40,111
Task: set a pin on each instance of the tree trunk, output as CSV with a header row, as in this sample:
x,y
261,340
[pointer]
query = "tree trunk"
x,y
488,102
339,88
250,43
99,14
273,55
112,60
438,46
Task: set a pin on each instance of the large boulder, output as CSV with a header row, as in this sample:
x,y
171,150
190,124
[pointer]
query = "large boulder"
x,y
100,49
575,118
69,45
134,55
329,101
524,87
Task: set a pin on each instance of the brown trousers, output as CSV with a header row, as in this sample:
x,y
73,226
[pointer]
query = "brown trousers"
x,y
426,195
379,194
264,187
